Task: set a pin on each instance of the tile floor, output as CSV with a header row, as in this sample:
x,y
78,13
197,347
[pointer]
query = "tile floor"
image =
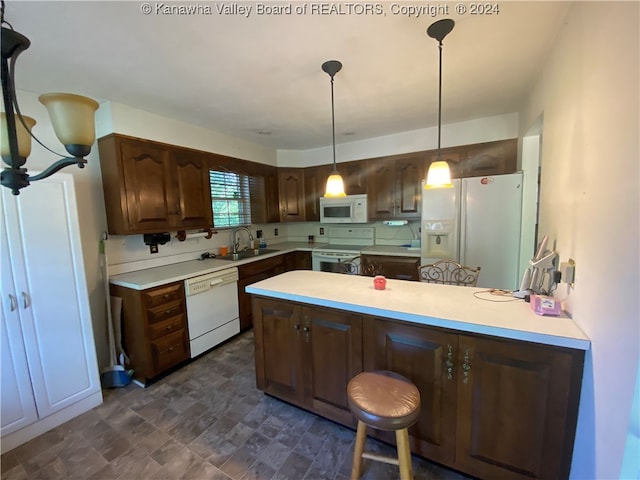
x,y
204,421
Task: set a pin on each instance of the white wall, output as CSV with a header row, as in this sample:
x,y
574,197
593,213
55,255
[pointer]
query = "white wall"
x,y
489,129
588,94
119,118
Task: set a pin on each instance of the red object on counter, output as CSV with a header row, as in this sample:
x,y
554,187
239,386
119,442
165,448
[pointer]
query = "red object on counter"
x,y
379,282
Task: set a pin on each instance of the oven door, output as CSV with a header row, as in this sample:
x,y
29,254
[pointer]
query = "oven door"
x,y
336,262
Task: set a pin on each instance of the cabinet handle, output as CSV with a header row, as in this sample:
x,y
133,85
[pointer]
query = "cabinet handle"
x,y
167,312
26,300
13,302
166,295
449,362
466,366
306,333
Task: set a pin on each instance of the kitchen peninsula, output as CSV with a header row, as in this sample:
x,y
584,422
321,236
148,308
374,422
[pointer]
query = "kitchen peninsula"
x,y
500,385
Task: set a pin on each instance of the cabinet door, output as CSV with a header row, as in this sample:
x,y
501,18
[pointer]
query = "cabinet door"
x,y
492,158
381,184
147,183
18,407
423,355
354,175
48,269
409,173
315,182
332,347
298,261
292,200
517,408
277,331
191,192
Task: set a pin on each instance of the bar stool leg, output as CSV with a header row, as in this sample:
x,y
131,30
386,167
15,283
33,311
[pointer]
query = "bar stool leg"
x,y
404,454
361,437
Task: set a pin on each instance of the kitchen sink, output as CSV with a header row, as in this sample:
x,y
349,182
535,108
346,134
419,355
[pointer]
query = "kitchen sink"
x,y
246,254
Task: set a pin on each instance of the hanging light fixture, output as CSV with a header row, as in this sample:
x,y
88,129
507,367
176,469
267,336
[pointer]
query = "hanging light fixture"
x,y
439,175
72,117
335,185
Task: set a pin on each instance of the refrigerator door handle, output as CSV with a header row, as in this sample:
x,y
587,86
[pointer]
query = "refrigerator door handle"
x,y
462,221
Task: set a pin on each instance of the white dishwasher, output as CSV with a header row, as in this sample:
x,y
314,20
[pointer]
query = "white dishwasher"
x,y
212,309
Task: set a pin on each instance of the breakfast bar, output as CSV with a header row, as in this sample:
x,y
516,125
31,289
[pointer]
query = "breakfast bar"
x,y
499,385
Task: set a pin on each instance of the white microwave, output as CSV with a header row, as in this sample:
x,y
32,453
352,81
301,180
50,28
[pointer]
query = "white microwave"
x,y
349,209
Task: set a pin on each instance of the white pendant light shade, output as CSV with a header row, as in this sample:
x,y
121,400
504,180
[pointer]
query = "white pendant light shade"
x,y
335,186
439,175
23,135
72,117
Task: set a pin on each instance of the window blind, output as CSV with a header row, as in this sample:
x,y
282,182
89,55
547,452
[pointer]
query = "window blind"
x,y
230,198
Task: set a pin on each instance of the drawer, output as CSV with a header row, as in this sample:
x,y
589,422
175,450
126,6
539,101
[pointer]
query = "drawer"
x,y
171,325
170,350
163,312
164,294
267,264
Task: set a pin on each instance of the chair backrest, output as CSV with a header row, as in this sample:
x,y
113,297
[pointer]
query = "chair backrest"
x,y
356,266
449,272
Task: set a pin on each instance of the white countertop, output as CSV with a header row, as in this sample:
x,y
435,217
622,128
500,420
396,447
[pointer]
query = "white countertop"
x,y
156,276
444,306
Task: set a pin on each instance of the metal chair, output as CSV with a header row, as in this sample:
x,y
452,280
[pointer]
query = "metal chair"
x,y
356,266
448,272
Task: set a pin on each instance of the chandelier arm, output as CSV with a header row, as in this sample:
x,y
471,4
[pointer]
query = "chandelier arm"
x,y
16,161
16,107
59,165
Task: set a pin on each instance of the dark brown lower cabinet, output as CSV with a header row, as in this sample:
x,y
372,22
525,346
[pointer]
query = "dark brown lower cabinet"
x,y
306,355
400,268
492,408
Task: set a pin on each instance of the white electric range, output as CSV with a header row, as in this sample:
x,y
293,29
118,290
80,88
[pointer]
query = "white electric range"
x,y
342,253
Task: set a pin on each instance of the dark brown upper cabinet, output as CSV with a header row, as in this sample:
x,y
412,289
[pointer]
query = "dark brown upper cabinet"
x,y
394,187
151,187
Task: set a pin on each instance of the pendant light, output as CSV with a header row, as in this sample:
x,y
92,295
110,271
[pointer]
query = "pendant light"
x,y
439,175
72,117
335,185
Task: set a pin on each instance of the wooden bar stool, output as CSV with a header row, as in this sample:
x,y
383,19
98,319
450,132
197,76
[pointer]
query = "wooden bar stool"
x,y
385,401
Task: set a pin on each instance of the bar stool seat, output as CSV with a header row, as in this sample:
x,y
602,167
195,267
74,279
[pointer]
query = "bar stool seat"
x,y
383,400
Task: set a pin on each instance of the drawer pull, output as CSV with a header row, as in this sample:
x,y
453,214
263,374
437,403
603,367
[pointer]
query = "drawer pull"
x,y
167,312
166,295
449,362
466,366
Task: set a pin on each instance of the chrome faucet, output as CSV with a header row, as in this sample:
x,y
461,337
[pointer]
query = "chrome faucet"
x,y
236,241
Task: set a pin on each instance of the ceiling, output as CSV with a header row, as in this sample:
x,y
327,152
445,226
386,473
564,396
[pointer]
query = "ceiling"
x,y
259,77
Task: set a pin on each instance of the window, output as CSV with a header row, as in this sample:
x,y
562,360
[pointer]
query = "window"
x,y
230,198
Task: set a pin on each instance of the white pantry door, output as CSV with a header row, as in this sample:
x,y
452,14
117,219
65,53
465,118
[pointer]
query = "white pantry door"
x,y
46,260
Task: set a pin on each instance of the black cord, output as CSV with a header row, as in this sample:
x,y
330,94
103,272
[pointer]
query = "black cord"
x,y
497,292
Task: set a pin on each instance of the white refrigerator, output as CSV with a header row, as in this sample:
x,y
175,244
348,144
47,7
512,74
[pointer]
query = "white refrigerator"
x,y
476,223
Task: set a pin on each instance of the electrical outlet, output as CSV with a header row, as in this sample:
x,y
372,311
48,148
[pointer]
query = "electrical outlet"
x,y
258,233
153,248
275,232
321,230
